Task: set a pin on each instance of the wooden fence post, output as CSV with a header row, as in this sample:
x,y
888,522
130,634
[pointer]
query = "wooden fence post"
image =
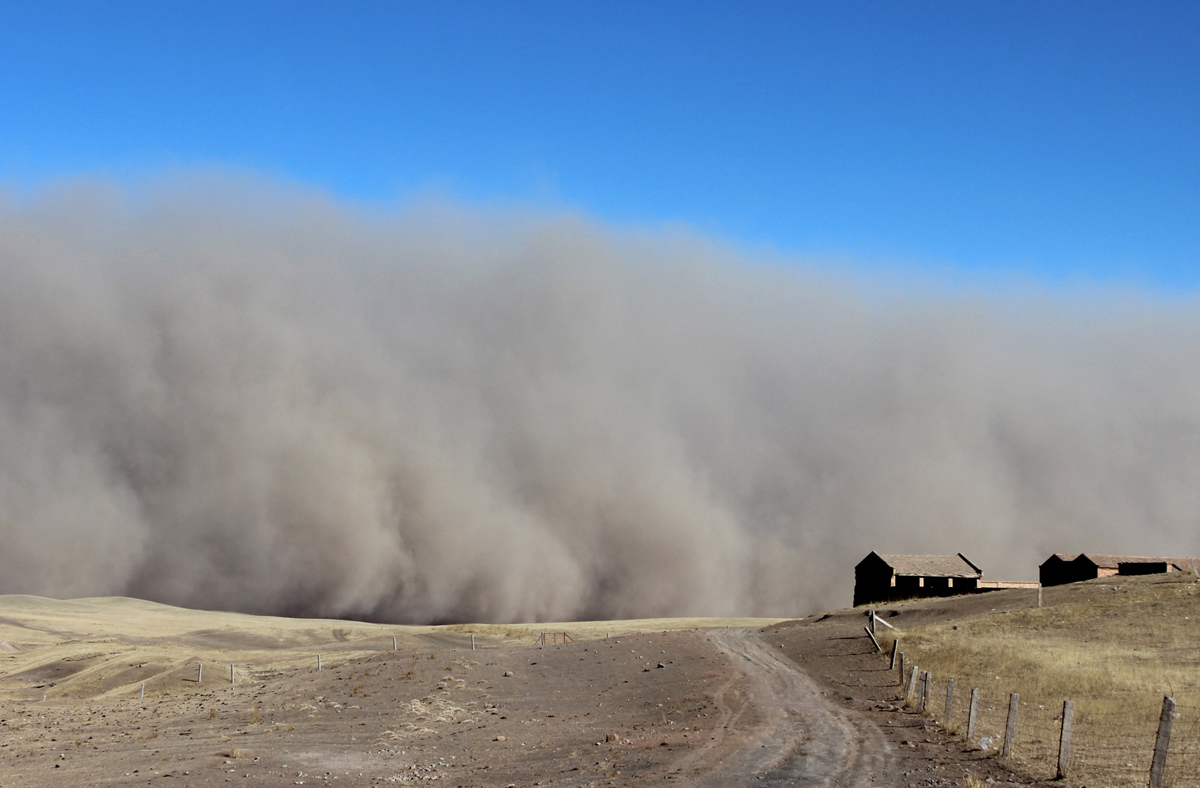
x,y
871,620
971,715
911,686
871,635
949,703
199,672
1064,739
1158,767
895,651
1010,727
923,697
900,664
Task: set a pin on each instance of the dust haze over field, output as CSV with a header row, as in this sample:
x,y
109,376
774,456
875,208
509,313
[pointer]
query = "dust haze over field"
x,y
228,396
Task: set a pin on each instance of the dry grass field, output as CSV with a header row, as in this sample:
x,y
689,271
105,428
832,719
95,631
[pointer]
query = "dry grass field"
x,y
1115,646
389,704
84,648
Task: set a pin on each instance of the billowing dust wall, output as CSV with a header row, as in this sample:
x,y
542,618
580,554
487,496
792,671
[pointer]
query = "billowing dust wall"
x,y
228,396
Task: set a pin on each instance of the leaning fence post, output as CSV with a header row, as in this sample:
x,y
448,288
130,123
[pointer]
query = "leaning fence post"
x,y
1010,727
895,651
871,635
923,696
949,703
1158,767
971,715
911,685
1064,739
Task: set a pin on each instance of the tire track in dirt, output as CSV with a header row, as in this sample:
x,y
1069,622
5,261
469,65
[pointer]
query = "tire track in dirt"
x,y
801,739
729,712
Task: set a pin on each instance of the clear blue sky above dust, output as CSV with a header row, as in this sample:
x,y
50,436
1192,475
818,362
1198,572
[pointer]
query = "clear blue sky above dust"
x,y
1059,141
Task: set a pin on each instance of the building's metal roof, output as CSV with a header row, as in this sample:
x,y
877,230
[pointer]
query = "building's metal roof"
x,y
932,565
1111,561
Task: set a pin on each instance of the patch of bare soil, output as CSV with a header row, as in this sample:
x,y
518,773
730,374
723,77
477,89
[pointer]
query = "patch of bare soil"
x,y
637,709
834,650
802,738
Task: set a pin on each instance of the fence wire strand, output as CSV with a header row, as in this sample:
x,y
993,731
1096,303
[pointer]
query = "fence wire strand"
x,y
1112,743
1183,756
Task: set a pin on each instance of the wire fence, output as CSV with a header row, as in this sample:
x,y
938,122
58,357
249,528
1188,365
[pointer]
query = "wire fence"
x,y
1107,741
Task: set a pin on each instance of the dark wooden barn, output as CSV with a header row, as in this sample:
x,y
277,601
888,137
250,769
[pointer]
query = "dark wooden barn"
x,y
1060,568
887,578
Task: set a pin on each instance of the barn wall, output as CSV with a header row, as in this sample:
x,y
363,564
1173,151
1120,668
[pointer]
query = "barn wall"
x,y
1056,572
872,581
1145,567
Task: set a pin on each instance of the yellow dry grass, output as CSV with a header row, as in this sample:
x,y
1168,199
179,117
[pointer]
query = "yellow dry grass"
x,y
595,630
1133,637
109,646
1115,647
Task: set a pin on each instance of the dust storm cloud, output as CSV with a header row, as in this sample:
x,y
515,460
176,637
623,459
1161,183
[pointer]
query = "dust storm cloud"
x,y
285,405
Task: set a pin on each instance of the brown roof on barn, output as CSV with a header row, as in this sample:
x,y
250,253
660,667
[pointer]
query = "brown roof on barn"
x,y
1112,561
932,565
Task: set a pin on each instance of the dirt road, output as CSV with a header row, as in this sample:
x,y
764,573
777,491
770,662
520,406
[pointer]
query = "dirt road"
x,y
800,739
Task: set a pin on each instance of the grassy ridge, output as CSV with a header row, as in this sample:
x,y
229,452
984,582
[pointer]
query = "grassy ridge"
x,y
1135,636
84,648
1114,646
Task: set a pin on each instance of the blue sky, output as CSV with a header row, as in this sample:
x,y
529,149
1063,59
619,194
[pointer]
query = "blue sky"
x,y
1054,140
